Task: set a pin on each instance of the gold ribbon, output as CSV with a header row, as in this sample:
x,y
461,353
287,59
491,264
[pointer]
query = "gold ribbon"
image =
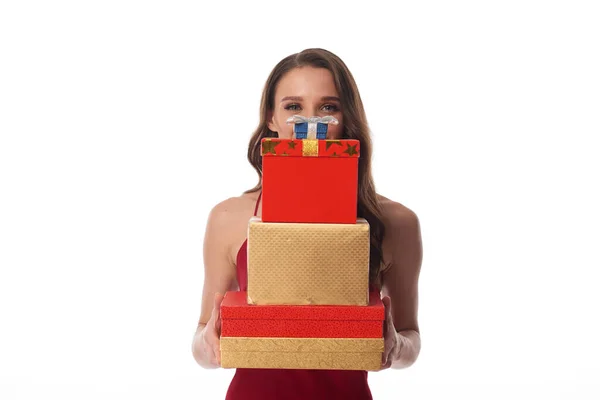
x,y
310,148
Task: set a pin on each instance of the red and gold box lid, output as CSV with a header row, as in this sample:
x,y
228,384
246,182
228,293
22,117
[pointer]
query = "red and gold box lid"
x,y
310,148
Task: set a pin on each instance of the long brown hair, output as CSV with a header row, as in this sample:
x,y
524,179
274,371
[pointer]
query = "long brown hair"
x,y
355,127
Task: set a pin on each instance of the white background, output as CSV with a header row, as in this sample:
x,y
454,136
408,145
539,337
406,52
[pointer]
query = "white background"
x,y
124,122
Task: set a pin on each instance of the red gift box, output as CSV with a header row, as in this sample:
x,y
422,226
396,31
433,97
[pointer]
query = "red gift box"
x,y
240,319
311,181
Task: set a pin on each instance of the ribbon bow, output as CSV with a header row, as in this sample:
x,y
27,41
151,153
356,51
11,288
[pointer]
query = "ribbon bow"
x,y
311,127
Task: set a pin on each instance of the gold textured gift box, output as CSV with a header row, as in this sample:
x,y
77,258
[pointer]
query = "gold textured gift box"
x,y
302,353
301,263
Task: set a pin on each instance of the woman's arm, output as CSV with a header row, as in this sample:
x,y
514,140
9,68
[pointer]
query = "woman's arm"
x,y
219,277
402,249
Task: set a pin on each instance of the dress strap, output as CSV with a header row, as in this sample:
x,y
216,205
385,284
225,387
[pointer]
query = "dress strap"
x,y
257,203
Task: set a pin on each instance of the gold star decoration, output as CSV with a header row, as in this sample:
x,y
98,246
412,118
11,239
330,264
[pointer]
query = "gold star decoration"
x,y
329,143
268,146
351,150
292,145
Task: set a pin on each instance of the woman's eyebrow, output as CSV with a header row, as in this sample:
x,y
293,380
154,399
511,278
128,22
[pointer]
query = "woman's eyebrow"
x,y
294,98
298,98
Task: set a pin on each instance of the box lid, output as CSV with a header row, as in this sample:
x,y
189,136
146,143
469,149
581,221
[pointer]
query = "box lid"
x,y
235,306
310,148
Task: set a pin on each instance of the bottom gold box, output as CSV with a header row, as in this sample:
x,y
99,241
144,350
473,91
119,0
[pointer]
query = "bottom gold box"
x,y
302,353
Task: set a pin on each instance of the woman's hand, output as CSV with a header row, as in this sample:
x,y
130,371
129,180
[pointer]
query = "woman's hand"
x,y
391,347
210,343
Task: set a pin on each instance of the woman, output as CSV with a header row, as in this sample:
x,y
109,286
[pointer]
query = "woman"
x,y
314,82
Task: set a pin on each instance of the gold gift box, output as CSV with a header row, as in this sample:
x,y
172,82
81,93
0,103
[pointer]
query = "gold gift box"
x,y
301,263
302,353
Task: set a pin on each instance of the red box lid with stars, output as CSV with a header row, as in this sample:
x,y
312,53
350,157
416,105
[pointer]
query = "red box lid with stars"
x,y
310,148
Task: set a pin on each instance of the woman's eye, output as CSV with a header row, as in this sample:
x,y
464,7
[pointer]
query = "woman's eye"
x,y
330,108
293,107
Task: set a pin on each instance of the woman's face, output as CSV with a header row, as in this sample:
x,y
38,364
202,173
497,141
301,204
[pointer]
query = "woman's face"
x,y
308,92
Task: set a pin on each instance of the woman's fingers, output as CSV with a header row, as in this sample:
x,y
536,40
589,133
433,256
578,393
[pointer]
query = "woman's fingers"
x,y
212,345
213,331
216,313
217,350
387,364
388,331
215,347
386,360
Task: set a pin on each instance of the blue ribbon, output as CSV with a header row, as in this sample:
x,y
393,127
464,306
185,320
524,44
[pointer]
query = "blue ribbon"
x,y
312,127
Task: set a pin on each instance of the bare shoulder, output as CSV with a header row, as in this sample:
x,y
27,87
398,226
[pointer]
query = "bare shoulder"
x,y
402,247
228,222
231,208
397,216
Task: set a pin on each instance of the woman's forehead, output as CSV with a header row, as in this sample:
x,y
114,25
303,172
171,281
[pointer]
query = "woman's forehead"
x,y
306,82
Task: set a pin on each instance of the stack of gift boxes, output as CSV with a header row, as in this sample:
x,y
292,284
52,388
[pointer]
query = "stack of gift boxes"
x,y
308,304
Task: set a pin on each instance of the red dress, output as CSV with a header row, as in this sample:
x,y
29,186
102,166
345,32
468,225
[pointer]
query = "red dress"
x,y
293,384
